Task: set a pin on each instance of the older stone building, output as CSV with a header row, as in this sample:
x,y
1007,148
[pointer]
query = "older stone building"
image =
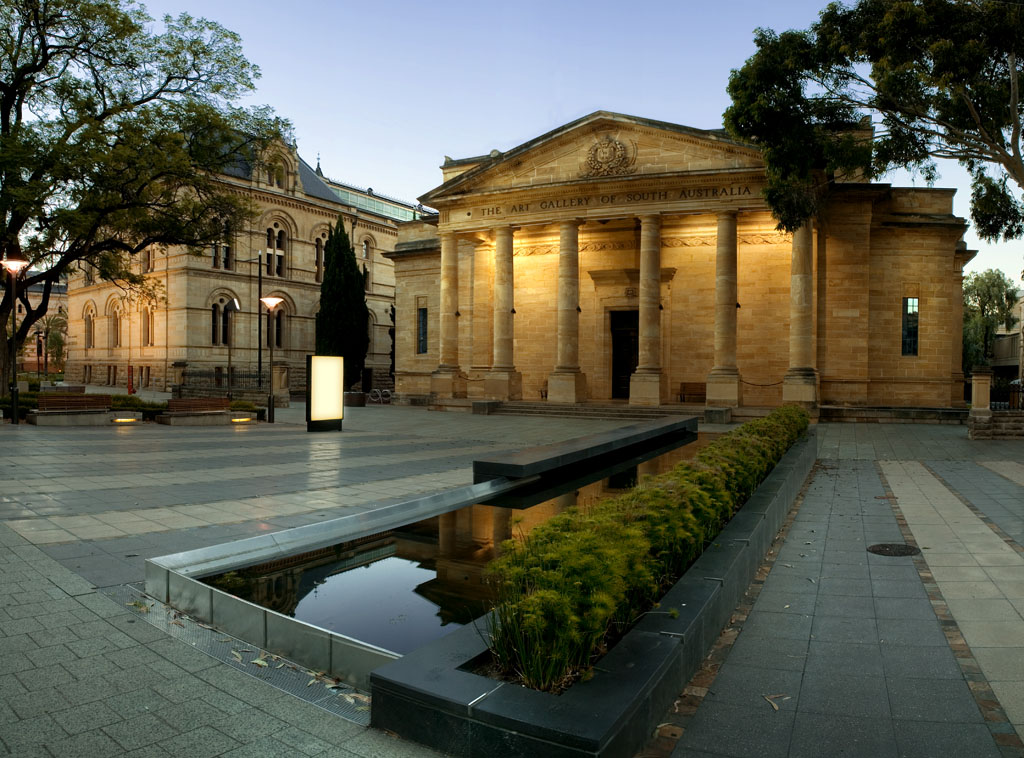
x,y
619,257
207,314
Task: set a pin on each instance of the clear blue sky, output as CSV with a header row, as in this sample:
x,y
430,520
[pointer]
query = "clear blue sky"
x,y
384,90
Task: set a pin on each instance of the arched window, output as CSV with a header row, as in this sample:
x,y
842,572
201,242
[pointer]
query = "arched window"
x,y
215,324
282,240
115,328
277,242
276,327
225,249
147,326
89,331
366,248
319,261
229,314
147,260
221,249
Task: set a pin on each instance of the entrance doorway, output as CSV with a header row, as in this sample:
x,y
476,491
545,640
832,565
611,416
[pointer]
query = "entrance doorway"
x,y
625,350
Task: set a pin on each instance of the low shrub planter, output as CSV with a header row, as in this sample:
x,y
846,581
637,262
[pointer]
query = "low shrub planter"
x,y
432,696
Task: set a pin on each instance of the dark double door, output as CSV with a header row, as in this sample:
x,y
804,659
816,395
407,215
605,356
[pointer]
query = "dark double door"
x,y
625,350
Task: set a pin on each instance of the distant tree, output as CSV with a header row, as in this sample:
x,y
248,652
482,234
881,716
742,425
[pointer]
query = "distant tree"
x,y
342,323
938,79
989,298
55,326
112,138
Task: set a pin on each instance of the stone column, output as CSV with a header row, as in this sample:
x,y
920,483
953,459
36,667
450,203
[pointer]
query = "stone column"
x,y
956,374
567,384
800,385
447,381
503,382
723,383
979,421
645,384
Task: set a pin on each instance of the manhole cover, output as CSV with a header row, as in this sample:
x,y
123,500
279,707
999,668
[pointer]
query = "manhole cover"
x,y
893,549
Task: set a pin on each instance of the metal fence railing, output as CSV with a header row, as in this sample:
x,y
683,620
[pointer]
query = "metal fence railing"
x,y
1007,398
241,379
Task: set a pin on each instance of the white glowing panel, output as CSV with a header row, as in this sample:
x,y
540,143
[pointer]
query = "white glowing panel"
x,y
326,388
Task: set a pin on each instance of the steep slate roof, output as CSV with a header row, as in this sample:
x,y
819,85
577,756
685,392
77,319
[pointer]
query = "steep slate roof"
x,y
314,186
491,160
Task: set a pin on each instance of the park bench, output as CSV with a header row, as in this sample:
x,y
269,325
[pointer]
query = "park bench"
x,y
53,402
60,409
692,392
200,411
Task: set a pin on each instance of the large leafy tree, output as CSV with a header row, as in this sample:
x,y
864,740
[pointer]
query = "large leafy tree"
x,y
989,298
112,137
343,320
933,78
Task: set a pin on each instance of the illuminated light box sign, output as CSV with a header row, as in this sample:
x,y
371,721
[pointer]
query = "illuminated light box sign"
x,y
325,392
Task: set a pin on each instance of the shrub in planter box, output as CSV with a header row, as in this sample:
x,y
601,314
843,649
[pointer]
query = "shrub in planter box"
x,y
577,582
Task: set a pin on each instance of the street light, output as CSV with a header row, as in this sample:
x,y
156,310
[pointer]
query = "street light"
x,y
231,309
14,263
271,302
259,320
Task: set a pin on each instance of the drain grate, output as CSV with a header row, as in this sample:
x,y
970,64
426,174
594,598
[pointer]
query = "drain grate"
x,y
894,549
311,686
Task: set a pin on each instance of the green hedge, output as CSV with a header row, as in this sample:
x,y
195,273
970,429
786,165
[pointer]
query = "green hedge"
x,y
578,581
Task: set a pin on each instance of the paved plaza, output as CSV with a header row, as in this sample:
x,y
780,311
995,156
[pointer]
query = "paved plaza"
x,y
868,655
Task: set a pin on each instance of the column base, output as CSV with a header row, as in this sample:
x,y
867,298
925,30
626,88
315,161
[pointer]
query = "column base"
x,y
446,383
503,385
800,387
567,387
647,388
723,388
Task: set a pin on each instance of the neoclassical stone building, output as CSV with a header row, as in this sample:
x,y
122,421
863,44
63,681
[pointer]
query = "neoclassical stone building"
x,y
619,257
208,314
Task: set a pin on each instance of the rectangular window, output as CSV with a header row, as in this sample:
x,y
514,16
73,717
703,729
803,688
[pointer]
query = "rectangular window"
x,y
421,330
910,326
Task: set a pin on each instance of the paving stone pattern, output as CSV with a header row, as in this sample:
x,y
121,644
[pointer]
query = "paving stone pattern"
x,y
82,676
852,639
876,656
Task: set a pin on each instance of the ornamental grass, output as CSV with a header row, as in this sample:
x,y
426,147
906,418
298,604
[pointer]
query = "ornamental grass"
x,y
575,584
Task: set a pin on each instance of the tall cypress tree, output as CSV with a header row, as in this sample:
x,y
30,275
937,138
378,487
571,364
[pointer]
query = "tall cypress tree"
x,y
343,321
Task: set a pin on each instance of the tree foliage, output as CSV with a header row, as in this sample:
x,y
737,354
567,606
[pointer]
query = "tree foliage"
x,y
113,134
934,78
343,320
989,298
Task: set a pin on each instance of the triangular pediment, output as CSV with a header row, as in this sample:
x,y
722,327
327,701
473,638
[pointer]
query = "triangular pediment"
x,y
599,147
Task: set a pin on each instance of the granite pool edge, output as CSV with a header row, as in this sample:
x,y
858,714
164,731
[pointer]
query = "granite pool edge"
x,y
427,697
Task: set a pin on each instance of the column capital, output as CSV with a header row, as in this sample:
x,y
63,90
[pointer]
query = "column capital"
x,y
650,218
727,213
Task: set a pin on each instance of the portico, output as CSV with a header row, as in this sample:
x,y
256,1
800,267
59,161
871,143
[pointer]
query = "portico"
x,y
620,257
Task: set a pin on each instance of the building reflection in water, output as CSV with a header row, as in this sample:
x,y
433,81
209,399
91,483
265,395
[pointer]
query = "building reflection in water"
x,y
402,588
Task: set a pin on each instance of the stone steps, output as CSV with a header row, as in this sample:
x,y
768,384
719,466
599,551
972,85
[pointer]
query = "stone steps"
x,y
556,410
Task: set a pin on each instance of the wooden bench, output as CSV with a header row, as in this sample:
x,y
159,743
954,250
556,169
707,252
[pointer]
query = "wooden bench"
x,y
199,411
52,402
692,392
198,404
59,409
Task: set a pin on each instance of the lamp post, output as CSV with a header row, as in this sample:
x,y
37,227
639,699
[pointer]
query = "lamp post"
x,y
258,260
231,309
14,263
271,302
